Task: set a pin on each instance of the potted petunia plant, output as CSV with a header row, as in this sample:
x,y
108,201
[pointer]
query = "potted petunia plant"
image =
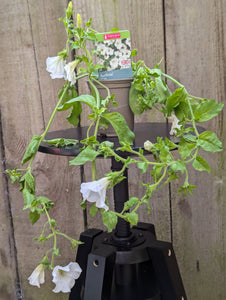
x,y
148,91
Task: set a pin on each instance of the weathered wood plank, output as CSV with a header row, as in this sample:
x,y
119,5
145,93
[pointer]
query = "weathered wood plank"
x,y
195,56
8,259
144,19
37,33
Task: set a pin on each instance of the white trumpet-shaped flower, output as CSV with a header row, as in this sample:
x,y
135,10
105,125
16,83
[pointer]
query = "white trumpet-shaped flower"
x,y
70,70
55,66
95,191
64,277
37,277
175,124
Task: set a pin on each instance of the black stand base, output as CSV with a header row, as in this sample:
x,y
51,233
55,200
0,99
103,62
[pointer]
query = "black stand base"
x,y
138,267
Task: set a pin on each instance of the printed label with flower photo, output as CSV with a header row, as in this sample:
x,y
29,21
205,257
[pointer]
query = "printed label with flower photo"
x,y
114,53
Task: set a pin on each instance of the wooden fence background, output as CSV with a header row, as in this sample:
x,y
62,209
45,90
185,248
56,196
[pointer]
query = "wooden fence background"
x,y
190,36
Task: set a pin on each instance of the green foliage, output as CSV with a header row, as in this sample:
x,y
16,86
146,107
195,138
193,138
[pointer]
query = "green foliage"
x,y
61,142
120,126
109,219
88,154
180,95
201,164
132,218
14,175
209,141
206,110
31,149
130,203
149,90
87,99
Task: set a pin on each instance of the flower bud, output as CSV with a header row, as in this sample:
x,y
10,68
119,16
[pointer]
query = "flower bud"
x,y
79,21
69,8
148,145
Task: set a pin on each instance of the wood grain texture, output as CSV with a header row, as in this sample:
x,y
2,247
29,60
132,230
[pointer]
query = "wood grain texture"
x,y
195,56
28,97
194,32
8,258
144,19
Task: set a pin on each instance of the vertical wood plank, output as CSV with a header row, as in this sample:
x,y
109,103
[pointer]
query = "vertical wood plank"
x,y
28,96
144,19
8,259
195,56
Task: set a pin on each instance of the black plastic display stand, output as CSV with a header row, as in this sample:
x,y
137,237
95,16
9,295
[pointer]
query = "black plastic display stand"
x,y
129,263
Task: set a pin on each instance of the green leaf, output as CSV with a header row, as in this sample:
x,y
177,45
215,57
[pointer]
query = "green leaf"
x,y
201,164
44,200
185,148
88,154
143,166
31,149
178,166
130,203
14,175
207,109
187,188
132,218
28,198
120,126
87,99
34,217
73,118
56,252
109,219
182,111
61,142
69,94
209,141
162,91
174,100
134,100
83,204
156,173
52,223
93,210
28,182
134,52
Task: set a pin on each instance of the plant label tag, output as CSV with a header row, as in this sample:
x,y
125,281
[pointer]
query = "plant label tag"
x,y
114,53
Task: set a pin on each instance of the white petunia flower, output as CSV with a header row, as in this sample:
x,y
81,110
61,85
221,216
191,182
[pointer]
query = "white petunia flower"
x,y
64,277
101,48
175,124
118,44
37,276
55,66
114,63
95,191
118,54
126,53
70,70
109,51
128,42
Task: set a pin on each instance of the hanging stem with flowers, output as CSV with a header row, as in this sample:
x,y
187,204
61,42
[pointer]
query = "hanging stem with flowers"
x,y
148,91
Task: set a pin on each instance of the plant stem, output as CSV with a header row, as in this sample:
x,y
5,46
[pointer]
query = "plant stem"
x,y
193,118
55,110
104,86
173,80
54,236
96,92
194,97
50,120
